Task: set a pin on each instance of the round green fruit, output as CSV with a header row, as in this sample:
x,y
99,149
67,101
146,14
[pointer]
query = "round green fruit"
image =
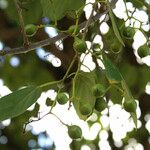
x,y
100,104
62,98
143,51
30,29
128,32
49,102
116,47
96,47
98,90
130,105
79,45
73,30
74,132
85,109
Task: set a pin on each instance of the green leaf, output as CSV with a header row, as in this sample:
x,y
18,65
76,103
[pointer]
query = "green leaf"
x,y
112,73
56,9
128,96
18,102
134,117
114,25
114,76
115,94
83,92
138,3
31,11
127,92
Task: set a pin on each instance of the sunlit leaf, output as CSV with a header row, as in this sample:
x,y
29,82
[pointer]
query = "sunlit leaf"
x,y
83,92
112,73
114,25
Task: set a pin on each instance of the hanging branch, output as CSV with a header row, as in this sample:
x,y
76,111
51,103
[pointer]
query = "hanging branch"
x,y
48,41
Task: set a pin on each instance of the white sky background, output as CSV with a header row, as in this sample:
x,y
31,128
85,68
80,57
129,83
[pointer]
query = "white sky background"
x,y
118,121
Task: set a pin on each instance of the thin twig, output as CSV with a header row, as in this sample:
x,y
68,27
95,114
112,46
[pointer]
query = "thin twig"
x,y
48,41
19,10
39,118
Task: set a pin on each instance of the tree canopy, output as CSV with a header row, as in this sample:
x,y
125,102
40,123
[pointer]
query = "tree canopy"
x,y
93,54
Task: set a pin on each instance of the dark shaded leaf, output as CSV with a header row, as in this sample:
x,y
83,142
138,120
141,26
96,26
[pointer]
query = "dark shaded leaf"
x,y
31,11
18,102
56,9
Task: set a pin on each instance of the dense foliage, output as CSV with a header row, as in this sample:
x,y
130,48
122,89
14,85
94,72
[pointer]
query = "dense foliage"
x,y
119,77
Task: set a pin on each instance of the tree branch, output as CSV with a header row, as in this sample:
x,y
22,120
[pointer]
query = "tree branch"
x,y
48,41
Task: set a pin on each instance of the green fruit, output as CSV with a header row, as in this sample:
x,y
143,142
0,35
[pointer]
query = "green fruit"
x,y
79,45
143,51
74,132
100,104
85,109
62,98
130,105
116,47
96,47
30,29
49,102
98,90
73,30
128,32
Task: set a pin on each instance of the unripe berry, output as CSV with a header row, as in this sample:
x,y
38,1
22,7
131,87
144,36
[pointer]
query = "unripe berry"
x,y
79,45
98,90
128,32
74,132
143,51
30,29
49,102
73,30
62,98
130,105
85,109
100,104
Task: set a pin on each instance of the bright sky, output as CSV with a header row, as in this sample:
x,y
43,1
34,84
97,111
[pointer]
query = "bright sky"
x,y
118,122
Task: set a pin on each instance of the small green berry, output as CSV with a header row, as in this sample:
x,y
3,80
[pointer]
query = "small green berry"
x,y
128,32
98,90
143,51
74,132
79,45
116,47
85,109
96,47
49,102
100,104
73,30
62,98
130,105
30,29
